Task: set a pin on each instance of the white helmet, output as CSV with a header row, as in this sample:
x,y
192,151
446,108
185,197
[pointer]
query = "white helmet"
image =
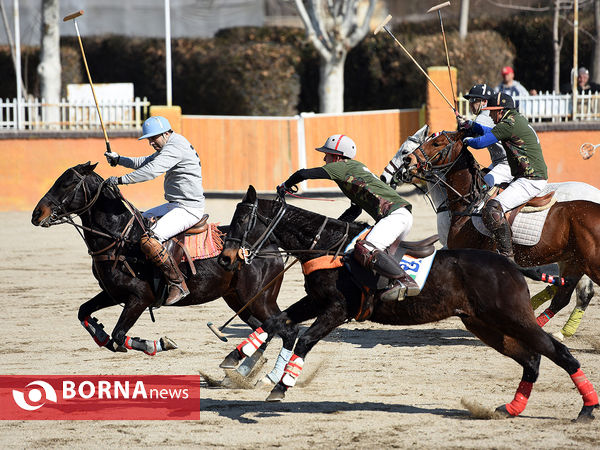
x,y
339,144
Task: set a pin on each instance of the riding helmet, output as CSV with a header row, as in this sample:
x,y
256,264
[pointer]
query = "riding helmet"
x,y
500,101
339,144
482,91
154,126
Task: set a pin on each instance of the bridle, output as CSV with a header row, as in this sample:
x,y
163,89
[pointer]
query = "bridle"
x,y
59,215
436,173
250,251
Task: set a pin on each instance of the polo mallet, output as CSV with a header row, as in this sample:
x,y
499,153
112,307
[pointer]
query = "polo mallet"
x,y
588,150
73,17
218,331
437,8
383,25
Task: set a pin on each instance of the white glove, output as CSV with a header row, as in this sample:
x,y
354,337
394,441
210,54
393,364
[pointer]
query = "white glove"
x,y
112,158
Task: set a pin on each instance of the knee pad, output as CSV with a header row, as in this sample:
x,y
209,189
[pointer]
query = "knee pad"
x,y
493,215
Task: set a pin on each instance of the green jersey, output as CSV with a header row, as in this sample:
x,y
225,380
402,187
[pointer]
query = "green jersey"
x,y
523,150
365,189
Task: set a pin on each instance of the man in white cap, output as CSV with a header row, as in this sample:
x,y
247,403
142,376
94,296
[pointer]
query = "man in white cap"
x,y
176,158
392,214
584,83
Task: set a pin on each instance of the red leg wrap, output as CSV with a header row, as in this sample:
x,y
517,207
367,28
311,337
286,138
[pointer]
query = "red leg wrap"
x,y
254,340
517,406
127,344
585,388
544,317
152,353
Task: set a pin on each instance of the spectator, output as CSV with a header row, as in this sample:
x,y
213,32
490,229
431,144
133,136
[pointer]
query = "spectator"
x,y
584,83
509,85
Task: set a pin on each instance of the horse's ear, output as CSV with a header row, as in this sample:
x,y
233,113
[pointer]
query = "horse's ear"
x,y
250,196
88,167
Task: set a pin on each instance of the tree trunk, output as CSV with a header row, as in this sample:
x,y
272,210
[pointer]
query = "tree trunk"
x,y
464,19
556,47
596,64
331,84
49,67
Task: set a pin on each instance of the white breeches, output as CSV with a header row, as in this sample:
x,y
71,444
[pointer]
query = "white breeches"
x,y
520,191
387,230
499,173
175,219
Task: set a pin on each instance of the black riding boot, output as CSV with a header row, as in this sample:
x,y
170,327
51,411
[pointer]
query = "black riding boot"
x,y
380,262
503,238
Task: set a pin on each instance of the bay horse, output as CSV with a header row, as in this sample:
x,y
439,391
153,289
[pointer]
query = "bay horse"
x,y
485,290
111,230
570,235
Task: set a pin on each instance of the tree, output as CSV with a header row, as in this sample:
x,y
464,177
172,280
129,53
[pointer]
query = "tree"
x,y
334,27
49,67
596,65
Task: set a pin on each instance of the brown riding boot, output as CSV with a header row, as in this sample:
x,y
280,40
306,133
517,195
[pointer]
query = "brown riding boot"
x,y
380,262
158,254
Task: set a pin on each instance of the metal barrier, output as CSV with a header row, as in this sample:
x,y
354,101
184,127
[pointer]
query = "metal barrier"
x,y
551,107
37,114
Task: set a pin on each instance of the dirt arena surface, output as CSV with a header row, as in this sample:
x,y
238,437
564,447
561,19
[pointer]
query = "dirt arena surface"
x,y
365,386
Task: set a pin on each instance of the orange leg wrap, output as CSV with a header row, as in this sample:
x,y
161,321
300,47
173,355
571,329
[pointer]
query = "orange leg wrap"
x,y
585,388
517,406
544,317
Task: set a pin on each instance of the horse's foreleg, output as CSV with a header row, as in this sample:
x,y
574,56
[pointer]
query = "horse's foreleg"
x,y
543,296
333,317
584,294
91,324
559,301
249,345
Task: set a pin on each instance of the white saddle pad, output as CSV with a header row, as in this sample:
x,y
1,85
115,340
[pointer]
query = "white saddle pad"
x,y
527,227
418,268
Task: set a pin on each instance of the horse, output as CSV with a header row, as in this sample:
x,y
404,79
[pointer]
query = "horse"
x,y
485,290
111,230
569,237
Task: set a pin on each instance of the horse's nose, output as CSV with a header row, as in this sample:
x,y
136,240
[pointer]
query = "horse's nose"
x,y
224,261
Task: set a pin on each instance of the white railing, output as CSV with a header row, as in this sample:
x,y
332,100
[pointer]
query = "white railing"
x,y
37,114
550,107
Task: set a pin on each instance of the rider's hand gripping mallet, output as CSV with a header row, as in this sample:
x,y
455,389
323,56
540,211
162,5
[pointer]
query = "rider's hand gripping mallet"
x,y
218,331
437,8
383,25
73,17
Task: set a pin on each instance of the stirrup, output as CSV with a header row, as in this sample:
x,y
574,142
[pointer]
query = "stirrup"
x,y
396,293
183,292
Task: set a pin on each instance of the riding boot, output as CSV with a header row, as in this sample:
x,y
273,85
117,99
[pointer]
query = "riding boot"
x,y
380,262
503,238
158,254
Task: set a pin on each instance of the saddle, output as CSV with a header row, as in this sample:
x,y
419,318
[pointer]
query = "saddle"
x,y
534,205
372,284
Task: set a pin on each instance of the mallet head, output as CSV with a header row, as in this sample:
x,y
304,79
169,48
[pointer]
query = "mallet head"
x,y
382,24
73,16
437,7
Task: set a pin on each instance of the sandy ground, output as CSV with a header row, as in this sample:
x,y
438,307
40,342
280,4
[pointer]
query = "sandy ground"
x,y
365,386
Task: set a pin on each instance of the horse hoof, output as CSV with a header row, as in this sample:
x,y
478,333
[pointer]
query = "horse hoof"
x,y
585,415
277,394
167,343
121,349
231,361
502,412
559,336
264,382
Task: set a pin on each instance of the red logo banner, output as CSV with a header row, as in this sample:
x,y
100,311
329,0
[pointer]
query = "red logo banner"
x,y
95,397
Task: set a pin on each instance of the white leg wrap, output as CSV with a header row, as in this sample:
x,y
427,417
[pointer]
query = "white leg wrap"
x,y
277,372
255,340
292,371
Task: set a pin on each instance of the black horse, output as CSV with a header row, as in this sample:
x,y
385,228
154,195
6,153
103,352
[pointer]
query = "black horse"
x,y
111,230
484,289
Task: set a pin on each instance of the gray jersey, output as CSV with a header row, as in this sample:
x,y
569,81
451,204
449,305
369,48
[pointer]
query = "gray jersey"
x,y
497,152
181,165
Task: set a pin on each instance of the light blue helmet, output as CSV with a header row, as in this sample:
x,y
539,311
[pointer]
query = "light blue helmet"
x,y
154,126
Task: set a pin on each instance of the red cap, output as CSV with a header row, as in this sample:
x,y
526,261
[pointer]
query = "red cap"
x,y
507,69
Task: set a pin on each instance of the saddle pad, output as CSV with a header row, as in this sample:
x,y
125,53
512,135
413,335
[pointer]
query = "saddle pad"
x,y
418,268
207,244
526,228
361,235
322,262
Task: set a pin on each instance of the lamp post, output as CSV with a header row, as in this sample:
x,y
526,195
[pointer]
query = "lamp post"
x,y
19,117
575,45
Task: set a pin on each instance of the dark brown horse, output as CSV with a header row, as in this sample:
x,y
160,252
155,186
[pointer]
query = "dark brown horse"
x,y
484,289
111,229
570,235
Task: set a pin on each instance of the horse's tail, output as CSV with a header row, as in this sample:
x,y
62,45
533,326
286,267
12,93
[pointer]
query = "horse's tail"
x,y
548,274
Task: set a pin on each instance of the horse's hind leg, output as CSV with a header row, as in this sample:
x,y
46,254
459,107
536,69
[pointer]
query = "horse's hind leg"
x,y
91,324
584,294
512,348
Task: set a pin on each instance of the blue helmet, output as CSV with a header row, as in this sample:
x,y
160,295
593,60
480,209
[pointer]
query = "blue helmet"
x,y
154,126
